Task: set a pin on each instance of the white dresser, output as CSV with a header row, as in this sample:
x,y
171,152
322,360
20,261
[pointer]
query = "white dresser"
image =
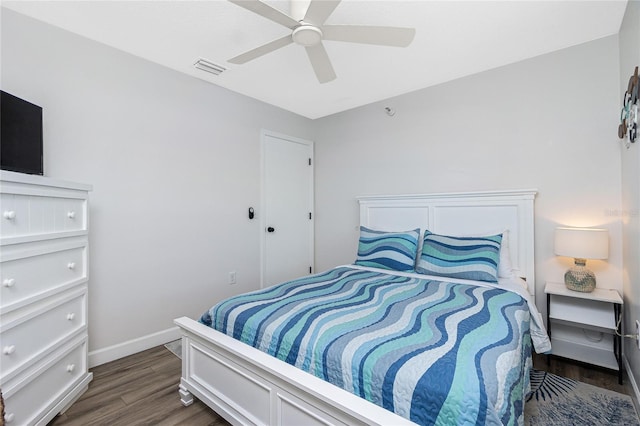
x,y
43,296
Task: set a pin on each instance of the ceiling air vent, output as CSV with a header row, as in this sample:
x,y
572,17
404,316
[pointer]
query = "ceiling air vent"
x,y
208,66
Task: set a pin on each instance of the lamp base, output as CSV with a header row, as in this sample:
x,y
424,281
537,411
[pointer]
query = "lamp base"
x,y
579,278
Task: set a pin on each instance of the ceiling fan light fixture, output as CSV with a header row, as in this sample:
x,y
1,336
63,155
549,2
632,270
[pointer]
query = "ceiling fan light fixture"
x,y
307,35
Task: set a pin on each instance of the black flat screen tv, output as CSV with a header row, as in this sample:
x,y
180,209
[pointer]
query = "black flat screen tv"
x,y
20,135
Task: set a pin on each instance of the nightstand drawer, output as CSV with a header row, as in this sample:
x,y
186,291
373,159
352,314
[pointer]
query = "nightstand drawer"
x,y
581,311
29,338
24,278
25,405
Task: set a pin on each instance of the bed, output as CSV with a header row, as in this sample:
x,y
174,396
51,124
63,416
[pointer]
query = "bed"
x,y
378,343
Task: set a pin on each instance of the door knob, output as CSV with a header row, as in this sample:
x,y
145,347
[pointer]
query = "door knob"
x,y
270,229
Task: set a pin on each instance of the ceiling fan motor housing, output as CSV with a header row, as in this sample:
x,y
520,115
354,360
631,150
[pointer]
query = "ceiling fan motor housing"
x,y
307,35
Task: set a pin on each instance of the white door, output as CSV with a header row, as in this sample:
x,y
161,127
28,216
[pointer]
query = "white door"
x,y
288,206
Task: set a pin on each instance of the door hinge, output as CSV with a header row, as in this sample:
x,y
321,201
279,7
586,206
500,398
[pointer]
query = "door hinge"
x,y
309,215
309,161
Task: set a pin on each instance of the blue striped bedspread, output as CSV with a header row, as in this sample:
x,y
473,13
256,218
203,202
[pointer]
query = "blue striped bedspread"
x,y
431,351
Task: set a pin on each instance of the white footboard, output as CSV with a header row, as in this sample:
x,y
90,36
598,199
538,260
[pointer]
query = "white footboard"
x,y
249,387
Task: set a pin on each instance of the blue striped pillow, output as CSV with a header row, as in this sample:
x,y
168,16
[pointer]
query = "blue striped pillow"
x,y
388,250
471,258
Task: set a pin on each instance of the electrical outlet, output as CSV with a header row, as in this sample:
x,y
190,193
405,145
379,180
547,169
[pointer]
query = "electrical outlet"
x,y
638,333
232,277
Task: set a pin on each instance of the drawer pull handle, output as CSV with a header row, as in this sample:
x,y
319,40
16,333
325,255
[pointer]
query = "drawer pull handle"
x,y
9,214
8,350
71,316
9,282
71,215
71,265
9,417
70,368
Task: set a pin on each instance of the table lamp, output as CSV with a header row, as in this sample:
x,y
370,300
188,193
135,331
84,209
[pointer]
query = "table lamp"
x,y
581,244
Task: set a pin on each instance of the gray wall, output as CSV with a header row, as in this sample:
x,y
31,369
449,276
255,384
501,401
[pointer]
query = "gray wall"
x,y
630,212
174,163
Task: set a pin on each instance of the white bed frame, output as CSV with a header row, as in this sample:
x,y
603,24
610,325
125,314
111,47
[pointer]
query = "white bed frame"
x,y
249,387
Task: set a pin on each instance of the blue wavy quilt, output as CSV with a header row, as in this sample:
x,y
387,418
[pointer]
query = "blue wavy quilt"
x,y
433,352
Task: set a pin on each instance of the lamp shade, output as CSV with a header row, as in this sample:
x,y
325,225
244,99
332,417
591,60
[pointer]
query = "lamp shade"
x,y
582,243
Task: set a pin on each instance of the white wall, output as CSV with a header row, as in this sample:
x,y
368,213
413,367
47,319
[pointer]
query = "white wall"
x,y
630,212
174,164
547,123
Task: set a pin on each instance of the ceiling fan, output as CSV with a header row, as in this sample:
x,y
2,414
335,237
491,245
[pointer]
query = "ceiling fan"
x,y
310,31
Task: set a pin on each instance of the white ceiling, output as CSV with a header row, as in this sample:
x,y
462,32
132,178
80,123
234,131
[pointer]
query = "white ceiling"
x,y
453,39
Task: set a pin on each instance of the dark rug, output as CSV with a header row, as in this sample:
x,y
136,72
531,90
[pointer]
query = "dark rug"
x,y
558,401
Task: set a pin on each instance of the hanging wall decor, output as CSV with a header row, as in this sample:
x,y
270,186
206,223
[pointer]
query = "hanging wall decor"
x,y
629,114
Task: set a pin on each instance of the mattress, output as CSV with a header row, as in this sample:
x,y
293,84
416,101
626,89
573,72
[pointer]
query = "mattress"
x,y
432,351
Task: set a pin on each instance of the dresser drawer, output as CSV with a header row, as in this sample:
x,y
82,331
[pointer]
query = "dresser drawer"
x,y
34,215
24,278
30,337
31,401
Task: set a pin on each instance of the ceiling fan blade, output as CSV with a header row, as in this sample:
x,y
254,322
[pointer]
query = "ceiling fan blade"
x,y
319,11
385,36
321,63
267,11
261,50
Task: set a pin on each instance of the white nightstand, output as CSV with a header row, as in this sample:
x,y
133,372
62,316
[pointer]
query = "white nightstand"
x,y
571,313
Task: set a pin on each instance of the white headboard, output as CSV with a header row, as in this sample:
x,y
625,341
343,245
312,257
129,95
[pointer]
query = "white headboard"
x,y
461,213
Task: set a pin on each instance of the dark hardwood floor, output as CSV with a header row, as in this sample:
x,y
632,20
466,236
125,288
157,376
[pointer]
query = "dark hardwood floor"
x,y
142,389
592,375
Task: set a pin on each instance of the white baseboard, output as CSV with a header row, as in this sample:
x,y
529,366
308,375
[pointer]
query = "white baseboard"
x,y
111,353
634,385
